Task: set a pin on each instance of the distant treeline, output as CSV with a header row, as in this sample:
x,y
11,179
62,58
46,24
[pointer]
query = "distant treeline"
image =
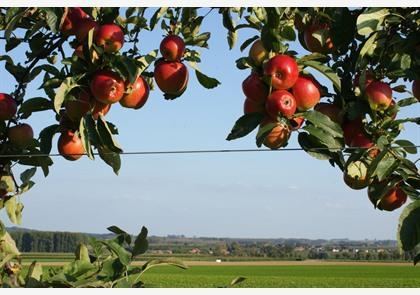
x,y
40,241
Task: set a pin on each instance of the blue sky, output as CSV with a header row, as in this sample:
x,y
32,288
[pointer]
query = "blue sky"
x,y
267,194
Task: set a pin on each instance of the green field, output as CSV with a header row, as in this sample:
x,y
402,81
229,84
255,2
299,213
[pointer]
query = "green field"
x,y
285,276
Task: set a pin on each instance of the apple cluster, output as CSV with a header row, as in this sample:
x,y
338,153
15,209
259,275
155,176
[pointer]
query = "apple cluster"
x,y
170,74
289,93
104,88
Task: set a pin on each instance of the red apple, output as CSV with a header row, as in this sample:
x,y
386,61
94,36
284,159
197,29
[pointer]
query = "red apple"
x,y
313,44
361,140
283,71
254,88
379,95
110,36
369,78
21,135
351,128
278,136
171,76
416,89
250,106
76,109
137,94
280,101
70,146
8,107
83,28
74,16
107,87
172,48
306,93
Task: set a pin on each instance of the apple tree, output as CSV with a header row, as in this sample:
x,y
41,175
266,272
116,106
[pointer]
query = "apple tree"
x,y
367,54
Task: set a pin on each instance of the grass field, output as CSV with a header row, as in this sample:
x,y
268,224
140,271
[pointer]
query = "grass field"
x,y
269,276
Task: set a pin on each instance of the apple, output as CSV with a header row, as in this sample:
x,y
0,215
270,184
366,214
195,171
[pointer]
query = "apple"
x,y
254,88
83,28
391,200
330,110
100,108
73,17
110,36
250,106
283,71
8,107
296,122
172,48
416,89
278,136
107,87
379,95
351,128
313,44
257,52
355,175
369,78
280,101
171,76
76,109
137,94
306,93
70,146
361,140
21,135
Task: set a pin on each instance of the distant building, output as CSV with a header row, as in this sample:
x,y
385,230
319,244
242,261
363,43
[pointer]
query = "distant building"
x,y
195,251
334,250
299,249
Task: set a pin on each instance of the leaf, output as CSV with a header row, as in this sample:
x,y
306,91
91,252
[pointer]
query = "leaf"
x,y
311,145
140,244
368,47
10,206
146,60
12,43
408,236
237,281
244,125
287,33
37,160
122,254
36,104
10,26
324,137
118,231
106,136
206,81
370,20
8,245
82,253
248,42
127,66
408,146
325,70
263,133
111,158
324,122
52,18
33,277
156,262
84,136
26,175
416,259
313,56
46,136
66,86
156,16
232,37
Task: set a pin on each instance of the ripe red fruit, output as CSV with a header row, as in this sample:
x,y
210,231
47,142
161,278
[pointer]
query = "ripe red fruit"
x,y
83,27
21,135
107,87
8,107
254,88
296,122
392,200
280,101
171,76
137,94
369,78
76,109
250,106
257,52
72,19
278,136
330,110
379,95
100,108
172,48
313,44
283,70
361,140
306,93
351,128
110,36
70,146
416,89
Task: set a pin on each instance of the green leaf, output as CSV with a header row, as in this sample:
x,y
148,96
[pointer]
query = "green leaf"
x,y
324,137
385,167
408,146
325,70
52,18
46,137
8,245
66,86
7,183
145,61
36,104
232,37
312,56
368,47
12,43
157,262
407,101
33,277
408,236
287,33
111,158
26,175
156,16
206,81
237,281
37,161
140,244
106,136
371,20
123,255
10,206
116,230
127,66
84,136
248,42
10,26
263,133
244,125
82,253
324,122
311,145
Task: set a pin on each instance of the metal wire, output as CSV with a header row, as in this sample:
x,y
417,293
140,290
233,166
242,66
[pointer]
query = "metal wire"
x,y
205,151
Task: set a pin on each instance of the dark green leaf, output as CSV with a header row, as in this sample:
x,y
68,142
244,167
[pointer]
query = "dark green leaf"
x,y
206,81
370,20
408,146
248,42
313,147
106,136
36,104
244,125
141,244
46,136
408,236
66,86
325,70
